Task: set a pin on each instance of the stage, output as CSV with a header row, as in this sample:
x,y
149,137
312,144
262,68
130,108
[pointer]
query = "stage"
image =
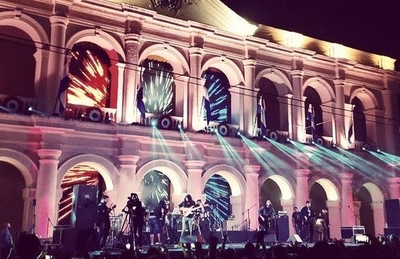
x,y
236,241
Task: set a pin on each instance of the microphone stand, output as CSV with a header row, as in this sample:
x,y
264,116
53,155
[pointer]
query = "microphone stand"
x,y
48,221
248,219
355,215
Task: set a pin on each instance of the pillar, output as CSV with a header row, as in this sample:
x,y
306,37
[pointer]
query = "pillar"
x,y
251,203
379,217
335,221
46,203
55,67
195,92
346,180
127,175
120,91
391,131
394,187
129,111
297,108
340,135
195,185
29,198
302,194
248,109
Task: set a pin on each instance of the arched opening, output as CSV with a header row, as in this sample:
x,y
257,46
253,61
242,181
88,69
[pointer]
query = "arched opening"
x,y
218,193
217,86
154,187
157,86
313,113
18,51
366,217
80,174
269,95
12,185
271,191
360,126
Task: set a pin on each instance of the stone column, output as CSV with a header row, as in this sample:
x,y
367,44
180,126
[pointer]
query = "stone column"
x,y
297,108
347,199
195,92
237,211
302,194
132,71
340,135
195,184
394,187
391,104
248,109
120,92
46,204
252,195
127,178
55,67
334,219
379,217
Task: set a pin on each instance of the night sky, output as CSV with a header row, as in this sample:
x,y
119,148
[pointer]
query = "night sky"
x,y
372,26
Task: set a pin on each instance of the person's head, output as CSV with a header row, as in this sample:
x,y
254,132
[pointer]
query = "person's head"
x,y
268,203
27,246
134,196
188,197
7,225
198,202
308,204
295,209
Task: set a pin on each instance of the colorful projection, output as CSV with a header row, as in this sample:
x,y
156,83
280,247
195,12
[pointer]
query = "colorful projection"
x,y
217,85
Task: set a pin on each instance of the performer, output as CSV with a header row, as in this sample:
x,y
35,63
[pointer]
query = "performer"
x,y
297,221
103,221
135,211
6,241
186,208
308,216
157,221
325,217
266,217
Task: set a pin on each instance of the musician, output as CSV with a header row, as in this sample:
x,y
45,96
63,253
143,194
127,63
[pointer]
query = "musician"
x,y
103,221
308,216
297,221
157,221
186,208
266,216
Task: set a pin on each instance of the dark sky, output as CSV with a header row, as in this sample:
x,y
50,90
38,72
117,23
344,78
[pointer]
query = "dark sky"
x,y
369,25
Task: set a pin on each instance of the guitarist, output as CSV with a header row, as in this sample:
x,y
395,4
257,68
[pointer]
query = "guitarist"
x,y
308,216
266,217
186,208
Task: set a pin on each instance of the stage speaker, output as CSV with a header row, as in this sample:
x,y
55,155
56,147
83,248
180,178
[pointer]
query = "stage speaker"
x,y
84,206
188,239
391,231
294,239
79,240
392,208
270,238
283,228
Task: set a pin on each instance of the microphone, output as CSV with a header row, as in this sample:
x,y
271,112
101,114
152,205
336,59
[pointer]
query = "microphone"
x,y
113,206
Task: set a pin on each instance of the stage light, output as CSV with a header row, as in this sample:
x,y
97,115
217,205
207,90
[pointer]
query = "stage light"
x,y
378,150
153,123
179,126
239,134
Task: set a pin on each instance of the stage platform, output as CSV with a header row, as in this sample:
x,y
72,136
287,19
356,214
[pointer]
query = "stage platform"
x,y
236,240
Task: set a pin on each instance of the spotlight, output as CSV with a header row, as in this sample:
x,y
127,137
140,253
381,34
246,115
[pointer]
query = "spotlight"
x,y
179,126
378,150
154,123
264,137
239,134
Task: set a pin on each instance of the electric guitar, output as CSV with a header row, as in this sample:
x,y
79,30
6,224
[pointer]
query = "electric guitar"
x,y
187,211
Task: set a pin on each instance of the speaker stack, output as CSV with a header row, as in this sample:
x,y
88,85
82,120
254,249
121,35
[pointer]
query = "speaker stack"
x,y
392,208
81,235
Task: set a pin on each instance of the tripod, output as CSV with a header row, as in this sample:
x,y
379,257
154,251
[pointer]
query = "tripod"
x,y
127,228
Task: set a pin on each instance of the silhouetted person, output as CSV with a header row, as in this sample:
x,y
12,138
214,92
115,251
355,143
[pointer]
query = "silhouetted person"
x,y
6,241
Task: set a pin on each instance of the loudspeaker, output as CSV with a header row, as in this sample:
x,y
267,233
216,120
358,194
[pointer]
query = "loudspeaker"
x,y
392,208
270,238
294,239
188,239
391,231
283,228
79,240
84,206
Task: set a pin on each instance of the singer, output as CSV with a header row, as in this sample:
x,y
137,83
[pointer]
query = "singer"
x,y
103,221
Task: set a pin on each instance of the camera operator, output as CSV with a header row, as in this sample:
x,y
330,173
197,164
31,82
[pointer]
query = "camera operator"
x,y
135,211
